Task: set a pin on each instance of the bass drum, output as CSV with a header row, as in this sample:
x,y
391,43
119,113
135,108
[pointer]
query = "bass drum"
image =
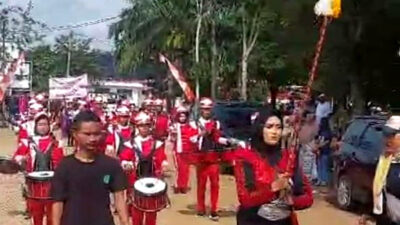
x,y
150,194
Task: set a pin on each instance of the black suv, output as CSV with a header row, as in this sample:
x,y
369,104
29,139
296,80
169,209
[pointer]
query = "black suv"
x,y
235,118
356,161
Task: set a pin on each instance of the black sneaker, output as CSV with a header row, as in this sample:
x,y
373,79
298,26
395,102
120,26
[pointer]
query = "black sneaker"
x,y
214,217
201,214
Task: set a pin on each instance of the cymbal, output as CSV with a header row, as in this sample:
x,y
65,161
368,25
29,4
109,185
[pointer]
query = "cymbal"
x,y
8,166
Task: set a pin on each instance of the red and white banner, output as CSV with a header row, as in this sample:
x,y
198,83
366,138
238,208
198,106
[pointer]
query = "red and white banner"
x,y
7,76
71,87
180,78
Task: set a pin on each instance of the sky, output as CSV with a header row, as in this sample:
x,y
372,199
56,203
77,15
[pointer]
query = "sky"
x,y
66,12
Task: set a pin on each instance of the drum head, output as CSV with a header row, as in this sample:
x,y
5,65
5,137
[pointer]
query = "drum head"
x,y
41,175
8,166
150,186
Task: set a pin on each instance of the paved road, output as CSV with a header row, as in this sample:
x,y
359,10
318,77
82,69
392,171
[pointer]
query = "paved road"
x,y
182,210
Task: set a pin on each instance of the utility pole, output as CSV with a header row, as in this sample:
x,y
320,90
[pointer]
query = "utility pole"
x,y
69,54
3,39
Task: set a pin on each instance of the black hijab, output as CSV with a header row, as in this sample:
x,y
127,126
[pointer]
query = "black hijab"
x,y
270,152
273,153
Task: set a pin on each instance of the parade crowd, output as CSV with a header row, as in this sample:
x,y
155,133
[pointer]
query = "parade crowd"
x,y
117,161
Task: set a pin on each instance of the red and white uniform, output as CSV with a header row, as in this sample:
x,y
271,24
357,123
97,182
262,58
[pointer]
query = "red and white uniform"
x,y
29,149
185,143
207,171
146,147
27,128
117,136
254,177
98,110
161,126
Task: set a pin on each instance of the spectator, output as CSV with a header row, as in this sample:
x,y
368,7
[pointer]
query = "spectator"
x,y
307,134
324,108
324,152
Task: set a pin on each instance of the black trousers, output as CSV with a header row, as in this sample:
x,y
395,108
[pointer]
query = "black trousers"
x,y
384,220
249,217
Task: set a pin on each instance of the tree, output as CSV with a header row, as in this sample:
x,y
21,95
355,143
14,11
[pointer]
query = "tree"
x,y
45,64
150,27
18,27
50,61
82,57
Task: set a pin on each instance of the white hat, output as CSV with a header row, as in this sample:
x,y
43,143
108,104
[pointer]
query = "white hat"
x,y
32,101
123,111
142,118
393,122
158,102
182,109
39,97
36,107
148,101
125,102
82,102
206,103
40,114
98,99
70,99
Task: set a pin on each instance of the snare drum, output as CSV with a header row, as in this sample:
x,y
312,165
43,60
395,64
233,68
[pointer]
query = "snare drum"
x,y
150,194
38,184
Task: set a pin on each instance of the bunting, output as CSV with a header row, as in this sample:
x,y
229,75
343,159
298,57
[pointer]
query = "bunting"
x,y
7,77
179,77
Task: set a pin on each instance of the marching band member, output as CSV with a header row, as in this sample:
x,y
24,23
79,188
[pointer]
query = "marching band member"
x,y
148,106
27,128
270,183
97,108
184,136
120,133
40,152
210,137
144,157
161,120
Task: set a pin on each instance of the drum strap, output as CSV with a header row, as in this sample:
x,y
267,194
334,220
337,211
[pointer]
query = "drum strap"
x,y
122,140
42,159
145,165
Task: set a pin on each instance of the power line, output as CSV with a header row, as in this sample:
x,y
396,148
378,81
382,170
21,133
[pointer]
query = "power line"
x,y
79,25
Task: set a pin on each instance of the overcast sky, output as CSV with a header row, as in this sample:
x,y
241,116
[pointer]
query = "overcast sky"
x,y
65,12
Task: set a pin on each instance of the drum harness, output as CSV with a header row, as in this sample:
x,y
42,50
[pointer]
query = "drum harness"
x,y
42,159
120,146
145,166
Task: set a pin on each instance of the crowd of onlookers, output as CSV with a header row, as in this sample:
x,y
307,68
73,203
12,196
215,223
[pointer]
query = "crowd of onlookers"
x,y
318,141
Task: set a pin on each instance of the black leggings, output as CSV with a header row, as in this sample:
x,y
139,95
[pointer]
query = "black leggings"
x,y
249,217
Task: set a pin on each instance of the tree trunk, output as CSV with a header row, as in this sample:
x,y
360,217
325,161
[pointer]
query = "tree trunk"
x,y
214,58
244,77
274,93
197,48
356,95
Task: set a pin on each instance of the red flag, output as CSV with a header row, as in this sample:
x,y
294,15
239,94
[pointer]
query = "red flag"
x,y
7,78
180,78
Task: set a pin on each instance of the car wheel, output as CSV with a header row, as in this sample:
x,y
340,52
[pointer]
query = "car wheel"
x,y
344,193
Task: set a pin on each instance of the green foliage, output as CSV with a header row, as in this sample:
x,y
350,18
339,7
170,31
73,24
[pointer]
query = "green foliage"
x,y
150,27
50,61
18,27
360,57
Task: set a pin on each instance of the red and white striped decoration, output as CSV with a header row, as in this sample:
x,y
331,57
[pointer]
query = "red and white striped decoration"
x,y
7,78
180,78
